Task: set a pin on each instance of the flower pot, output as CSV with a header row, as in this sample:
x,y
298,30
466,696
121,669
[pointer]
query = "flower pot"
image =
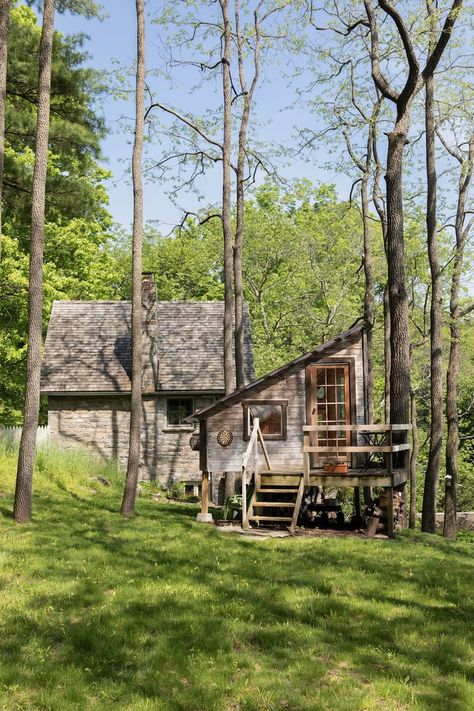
x,y
339,468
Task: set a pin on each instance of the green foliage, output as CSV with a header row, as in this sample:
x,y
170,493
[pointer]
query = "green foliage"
x,y
176,491
302,259
162,613
78,225
187,266
87,8
302,267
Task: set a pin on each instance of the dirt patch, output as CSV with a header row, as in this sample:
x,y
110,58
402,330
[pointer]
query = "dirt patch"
x,y
333,533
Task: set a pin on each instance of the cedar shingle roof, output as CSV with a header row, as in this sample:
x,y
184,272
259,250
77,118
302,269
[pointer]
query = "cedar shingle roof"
x,y
88,347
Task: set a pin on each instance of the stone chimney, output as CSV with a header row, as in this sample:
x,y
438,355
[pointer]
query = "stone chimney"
x,y
149,332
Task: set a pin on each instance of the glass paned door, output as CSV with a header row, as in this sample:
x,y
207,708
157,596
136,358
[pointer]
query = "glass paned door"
x,y
329,405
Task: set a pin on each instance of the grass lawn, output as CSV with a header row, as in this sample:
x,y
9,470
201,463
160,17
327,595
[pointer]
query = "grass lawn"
x,y
162,613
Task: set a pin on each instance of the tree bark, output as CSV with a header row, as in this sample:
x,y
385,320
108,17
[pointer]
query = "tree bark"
x,y
369,296
226,202
247,94
133,464
397,295
4,24
380,208
452,439
26,456
430,492
387,353
413,460
397,138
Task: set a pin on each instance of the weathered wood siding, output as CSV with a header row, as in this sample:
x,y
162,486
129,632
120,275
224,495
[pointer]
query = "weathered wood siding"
x,y
100,424
292,387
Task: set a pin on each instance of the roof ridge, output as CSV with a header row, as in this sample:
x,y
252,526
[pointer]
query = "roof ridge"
x,y
125,301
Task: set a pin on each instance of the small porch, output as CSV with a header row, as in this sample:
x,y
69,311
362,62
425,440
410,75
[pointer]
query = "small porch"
x,y
376,456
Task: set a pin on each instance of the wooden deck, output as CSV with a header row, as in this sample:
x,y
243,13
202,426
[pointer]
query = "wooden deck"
x,y
366,440
280,476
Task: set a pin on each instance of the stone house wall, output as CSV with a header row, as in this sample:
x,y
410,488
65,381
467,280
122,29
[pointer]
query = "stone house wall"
x,y
100,424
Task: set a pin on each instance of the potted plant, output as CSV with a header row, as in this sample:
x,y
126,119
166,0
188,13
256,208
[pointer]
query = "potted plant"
x,y
337,465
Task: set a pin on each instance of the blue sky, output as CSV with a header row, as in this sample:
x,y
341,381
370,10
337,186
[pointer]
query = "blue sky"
x,y
112,44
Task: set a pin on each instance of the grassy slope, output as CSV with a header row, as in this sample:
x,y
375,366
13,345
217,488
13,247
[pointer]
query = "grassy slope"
x,y
161,613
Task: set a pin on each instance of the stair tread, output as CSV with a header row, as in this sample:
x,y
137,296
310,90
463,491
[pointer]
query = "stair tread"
x,y
278,491
270,518
279,472
275,504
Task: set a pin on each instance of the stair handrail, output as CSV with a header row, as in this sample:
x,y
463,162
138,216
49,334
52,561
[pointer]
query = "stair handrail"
x,y
252,448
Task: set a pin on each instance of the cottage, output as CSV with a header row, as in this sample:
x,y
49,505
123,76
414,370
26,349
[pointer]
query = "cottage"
x,y
303,425
87,369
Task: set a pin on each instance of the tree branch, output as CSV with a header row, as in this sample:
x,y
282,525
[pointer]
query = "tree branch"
x,y
381,82
186,120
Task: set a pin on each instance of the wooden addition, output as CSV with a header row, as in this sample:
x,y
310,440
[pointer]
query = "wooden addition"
x,y
287,424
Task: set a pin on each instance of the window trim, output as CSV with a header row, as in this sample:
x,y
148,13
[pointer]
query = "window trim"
x,y
269,401
186,427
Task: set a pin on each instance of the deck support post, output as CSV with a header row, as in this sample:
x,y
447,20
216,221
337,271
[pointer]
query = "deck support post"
x,y
390,527
204,516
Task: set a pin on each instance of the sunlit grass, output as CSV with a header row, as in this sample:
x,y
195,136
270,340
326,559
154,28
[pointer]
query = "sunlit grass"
x,y
162,613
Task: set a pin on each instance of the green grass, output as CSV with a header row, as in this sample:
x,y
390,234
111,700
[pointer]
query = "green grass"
x,y
162,613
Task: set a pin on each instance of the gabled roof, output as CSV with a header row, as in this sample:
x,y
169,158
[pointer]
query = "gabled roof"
x,y
337,343
88,347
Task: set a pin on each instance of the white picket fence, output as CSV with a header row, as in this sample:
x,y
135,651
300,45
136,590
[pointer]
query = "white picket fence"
x,y
10,436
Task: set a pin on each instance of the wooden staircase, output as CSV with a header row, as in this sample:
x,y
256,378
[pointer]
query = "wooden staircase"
x,y
284,502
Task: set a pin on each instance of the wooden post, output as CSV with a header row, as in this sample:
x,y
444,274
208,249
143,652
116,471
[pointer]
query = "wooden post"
x,y
306,460
244,495
404,456
389,491
205,493
204,516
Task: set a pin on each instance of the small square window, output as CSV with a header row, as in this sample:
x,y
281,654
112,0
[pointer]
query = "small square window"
x,y
177,409
271,415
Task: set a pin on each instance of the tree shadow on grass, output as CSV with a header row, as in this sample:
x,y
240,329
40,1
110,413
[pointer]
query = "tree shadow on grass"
x,y
161,609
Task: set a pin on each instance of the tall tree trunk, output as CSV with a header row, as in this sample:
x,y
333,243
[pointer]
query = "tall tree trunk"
x,y
226,202
452,439
4,23
413,460
387,353
430,492
133,465
397,295
380,208
247,95
369,297
27,451
240,214
397,138
230,477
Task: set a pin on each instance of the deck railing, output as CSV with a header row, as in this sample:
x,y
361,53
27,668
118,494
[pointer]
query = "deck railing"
x,y
250,462
388,447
